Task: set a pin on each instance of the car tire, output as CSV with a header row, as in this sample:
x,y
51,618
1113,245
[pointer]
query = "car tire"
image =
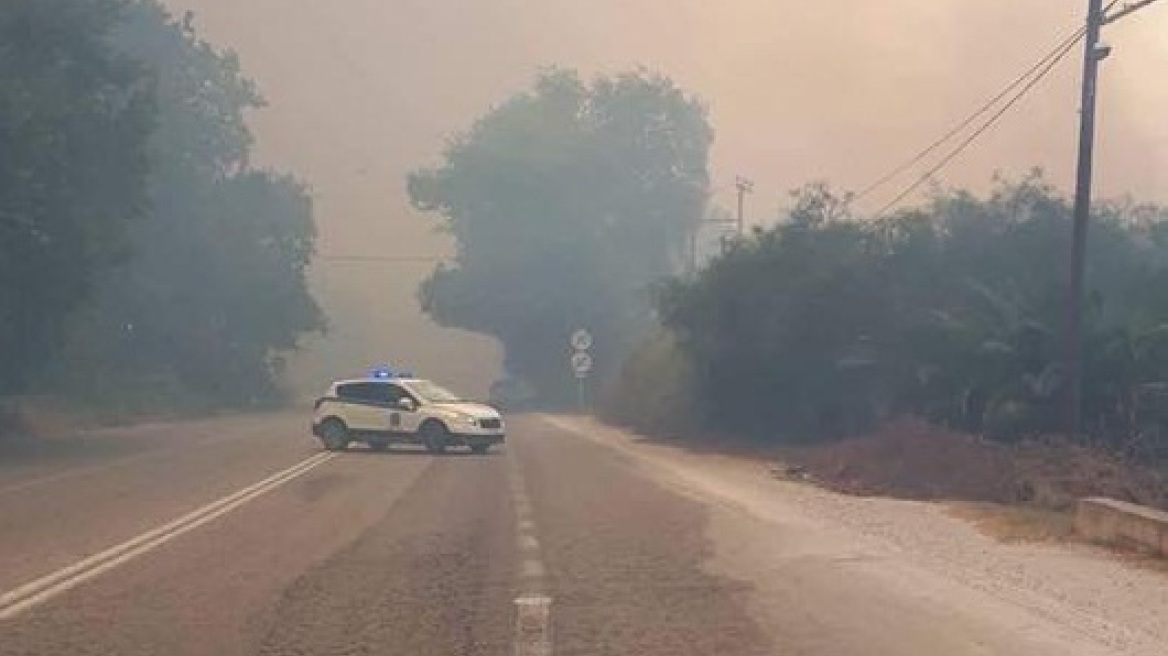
x,y
435,437
480,448
379,446
334,435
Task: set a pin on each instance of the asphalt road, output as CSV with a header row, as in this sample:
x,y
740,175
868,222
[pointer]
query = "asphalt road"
x,y
240,536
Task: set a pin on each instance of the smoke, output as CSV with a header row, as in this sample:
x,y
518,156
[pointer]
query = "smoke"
x,y
362,91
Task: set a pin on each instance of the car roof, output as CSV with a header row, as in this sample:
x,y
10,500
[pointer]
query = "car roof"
x,y
349,381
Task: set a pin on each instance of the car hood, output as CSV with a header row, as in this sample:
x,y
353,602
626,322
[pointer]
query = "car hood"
x,y
476,410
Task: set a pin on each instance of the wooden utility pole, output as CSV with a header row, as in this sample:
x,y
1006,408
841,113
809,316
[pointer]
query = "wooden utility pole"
x,y
1093,54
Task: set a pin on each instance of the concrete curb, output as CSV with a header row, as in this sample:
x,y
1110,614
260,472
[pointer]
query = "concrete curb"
x,y
1109,521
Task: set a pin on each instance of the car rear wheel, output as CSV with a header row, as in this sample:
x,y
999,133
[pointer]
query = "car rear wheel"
x,y
435,437
334,435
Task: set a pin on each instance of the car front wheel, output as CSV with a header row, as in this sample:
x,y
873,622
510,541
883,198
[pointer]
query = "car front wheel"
x,y
334,435
435,437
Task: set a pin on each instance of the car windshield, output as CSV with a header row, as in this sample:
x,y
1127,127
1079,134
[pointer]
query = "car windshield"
x,y
432,392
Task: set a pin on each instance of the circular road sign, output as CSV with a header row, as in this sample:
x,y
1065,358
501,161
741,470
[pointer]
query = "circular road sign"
x,y
581,340
581,363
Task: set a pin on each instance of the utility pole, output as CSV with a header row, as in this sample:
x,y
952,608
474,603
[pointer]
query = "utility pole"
x,y
1094,52
712,218
744,187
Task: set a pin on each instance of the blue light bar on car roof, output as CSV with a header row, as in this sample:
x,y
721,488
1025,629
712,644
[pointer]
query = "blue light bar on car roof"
x,y
385,373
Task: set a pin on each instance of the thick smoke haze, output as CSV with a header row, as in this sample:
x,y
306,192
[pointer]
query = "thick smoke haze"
x,y
362,91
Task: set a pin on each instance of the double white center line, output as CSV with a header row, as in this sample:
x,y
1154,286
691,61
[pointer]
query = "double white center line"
x,y
45,588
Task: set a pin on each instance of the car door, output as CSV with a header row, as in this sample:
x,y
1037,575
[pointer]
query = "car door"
x,y
400,419
364,409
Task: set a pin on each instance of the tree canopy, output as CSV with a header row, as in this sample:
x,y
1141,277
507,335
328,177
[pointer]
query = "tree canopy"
x,y
154,255
75,117
953,311
566,201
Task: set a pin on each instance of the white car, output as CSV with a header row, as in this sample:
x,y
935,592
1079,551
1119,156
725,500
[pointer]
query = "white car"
x,y
380,411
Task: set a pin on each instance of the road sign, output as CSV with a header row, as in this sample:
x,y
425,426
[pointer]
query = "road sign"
x,y
581,364
581,340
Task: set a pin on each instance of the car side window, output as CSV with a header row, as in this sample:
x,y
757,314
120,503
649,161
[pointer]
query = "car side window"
x,y
350,392
396,394
361,393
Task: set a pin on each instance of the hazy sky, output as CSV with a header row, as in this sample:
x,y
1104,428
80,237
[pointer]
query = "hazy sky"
x,y
362,91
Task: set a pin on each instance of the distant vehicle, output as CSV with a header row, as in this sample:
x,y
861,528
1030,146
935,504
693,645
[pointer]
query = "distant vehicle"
x,y
384,410
512,394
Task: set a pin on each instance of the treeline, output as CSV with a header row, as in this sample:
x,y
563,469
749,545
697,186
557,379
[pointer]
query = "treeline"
x,y
829,323
140,251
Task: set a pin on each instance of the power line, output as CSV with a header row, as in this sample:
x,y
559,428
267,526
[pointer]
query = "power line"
x,y
1129,8
1051,63
393,259
1058,51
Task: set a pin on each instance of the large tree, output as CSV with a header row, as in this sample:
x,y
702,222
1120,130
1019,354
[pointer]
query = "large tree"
x,y
74,119
215,292
566,201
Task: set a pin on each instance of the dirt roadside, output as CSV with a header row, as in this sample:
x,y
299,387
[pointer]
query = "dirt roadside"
x,y
44,417
911,460
1016,492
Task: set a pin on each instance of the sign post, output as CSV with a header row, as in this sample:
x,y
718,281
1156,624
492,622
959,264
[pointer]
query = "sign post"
x,y
581,363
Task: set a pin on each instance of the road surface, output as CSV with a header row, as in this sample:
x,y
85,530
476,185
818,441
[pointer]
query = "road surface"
x,y
240,536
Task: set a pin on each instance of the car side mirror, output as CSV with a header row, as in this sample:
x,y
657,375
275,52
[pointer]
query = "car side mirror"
x,y
407,404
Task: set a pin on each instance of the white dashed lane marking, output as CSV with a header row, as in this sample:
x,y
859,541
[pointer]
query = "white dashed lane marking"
x,y
528,543
533,617
532,570
533,606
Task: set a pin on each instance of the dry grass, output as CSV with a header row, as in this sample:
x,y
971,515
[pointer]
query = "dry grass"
x,y
1141,559
1017,523
1027,524
913,460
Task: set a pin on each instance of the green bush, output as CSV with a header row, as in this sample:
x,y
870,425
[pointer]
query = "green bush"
x,y
655,391
828,323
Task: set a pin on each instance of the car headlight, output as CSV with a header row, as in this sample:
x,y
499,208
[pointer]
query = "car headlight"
x,y
468,420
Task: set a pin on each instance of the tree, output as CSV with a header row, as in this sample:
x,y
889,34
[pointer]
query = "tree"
x,y
215,292
566,202
74,119
952,311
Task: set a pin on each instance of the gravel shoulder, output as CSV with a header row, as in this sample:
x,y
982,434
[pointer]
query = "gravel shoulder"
x,y
878,560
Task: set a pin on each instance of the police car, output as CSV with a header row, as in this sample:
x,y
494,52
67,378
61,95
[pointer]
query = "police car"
x,y
388,408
